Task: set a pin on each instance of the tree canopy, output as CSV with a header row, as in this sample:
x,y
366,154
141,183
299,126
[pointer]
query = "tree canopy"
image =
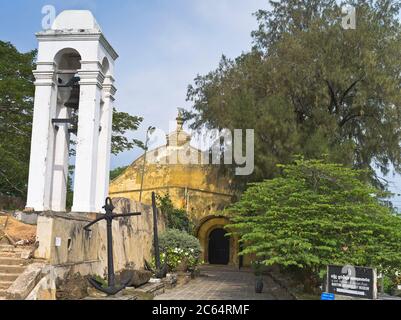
x,y
16,112
316,214
310,87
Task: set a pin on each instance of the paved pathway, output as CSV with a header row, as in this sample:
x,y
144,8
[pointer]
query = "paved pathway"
x,y
225,283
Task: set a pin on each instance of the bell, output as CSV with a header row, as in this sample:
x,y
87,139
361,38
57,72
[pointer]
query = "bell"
x,y
64,92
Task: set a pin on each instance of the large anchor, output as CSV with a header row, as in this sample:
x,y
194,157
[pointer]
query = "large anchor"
x,y
112,289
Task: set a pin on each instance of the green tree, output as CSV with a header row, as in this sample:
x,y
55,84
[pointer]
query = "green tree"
x,y
116,172
16,111
315,214
122,124
16,100
310,87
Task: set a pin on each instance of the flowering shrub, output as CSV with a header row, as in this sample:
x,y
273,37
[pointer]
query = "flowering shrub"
x,y
179,248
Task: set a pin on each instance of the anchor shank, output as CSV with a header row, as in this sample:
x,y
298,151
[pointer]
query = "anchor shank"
x,y
110,258
155,232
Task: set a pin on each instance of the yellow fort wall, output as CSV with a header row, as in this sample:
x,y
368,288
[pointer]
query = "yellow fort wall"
x,y
201,190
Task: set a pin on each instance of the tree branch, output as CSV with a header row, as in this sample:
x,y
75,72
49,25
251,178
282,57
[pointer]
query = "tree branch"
x,y
346,92
333,98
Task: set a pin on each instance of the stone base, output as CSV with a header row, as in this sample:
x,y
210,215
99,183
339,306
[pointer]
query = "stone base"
x,y
153,289
27,218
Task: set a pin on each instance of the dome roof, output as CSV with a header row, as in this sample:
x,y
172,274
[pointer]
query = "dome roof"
x,y
76,20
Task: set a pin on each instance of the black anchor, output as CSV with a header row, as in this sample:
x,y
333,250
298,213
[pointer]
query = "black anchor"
x,y
112,289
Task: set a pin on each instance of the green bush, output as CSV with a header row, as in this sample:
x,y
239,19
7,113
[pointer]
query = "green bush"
x,y
389,285
178,247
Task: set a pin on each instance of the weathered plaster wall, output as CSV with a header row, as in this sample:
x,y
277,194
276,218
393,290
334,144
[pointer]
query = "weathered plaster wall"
x,y
85,252
202,190
199,189
180,170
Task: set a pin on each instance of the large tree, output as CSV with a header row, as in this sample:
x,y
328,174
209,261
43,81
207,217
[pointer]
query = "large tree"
x,y
310,87
16,111
316,214
16,92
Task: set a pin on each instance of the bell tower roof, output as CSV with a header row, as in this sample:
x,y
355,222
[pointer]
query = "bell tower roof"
x,y
76,20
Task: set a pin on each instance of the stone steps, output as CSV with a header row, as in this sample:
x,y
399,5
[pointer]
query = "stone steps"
x,y
11,255
4,285
10,248
12,252
8,276
11,261
11,266
11,269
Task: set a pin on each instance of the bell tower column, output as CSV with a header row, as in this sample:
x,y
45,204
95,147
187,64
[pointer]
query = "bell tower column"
x,y
42,145
86,163
104,150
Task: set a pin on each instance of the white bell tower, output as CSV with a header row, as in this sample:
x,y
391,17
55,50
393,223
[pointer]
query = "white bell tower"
x,y
74,96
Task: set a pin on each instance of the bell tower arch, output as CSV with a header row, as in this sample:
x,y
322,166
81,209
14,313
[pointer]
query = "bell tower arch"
x,y
74,95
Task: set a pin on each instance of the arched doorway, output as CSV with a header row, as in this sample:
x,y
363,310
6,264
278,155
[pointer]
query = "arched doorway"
x,y
207,230
219,247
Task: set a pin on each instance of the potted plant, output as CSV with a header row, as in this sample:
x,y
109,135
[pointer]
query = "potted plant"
x,y
258,270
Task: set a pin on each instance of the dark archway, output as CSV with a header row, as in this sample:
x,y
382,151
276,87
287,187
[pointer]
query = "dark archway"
x,y
219,247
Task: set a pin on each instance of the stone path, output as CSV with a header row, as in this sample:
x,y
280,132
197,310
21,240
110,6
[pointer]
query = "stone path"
x,y
225,283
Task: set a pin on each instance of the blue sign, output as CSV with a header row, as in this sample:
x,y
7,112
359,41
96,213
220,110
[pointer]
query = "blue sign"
x,y
328,296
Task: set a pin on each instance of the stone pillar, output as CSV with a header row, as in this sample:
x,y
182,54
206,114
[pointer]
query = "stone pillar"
x,y
42,145
88,138
104,150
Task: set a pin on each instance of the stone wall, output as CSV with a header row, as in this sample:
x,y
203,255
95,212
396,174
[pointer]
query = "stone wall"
x,y
64,243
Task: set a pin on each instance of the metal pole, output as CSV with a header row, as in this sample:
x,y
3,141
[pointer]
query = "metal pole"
x,y
144,161
143,172
155,232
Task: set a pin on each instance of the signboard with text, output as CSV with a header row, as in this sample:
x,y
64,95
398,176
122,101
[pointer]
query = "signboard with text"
x,y
358,282
328,296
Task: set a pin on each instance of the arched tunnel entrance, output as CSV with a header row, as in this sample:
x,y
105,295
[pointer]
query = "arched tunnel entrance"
x,y
219,247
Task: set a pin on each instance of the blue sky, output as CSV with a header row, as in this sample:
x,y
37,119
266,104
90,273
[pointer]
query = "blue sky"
x,y
163,45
